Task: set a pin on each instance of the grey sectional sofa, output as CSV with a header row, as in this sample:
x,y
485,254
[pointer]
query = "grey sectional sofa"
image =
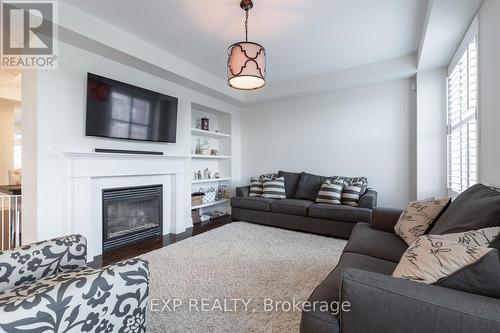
x,y
299,211
381,303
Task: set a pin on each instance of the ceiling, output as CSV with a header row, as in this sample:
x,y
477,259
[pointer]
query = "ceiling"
x,y
303,38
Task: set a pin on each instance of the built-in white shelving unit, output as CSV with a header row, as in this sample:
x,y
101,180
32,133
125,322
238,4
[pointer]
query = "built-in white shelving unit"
x,y
200,132
211,157
210,204
213,180
218,138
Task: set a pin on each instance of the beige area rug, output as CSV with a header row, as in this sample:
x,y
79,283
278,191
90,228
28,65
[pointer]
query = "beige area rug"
x,y
221,280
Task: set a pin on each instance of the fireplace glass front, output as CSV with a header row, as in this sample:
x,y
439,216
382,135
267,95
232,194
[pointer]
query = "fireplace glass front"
x,y
131,215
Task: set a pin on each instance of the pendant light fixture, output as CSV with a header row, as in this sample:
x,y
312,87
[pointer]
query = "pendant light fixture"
x,y
246,65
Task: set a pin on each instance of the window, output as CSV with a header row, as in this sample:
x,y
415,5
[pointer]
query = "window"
x,y
462,114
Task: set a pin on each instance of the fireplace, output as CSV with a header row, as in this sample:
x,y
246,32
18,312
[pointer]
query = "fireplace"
x,y
131,215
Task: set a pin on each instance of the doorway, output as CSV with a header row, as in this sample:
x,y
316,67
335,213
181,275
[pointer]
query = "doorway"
x,y
10,159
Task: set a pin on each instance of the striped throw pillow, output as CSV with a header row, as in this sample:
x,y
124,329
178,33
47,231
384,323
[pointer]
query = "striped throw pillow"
x,y
331,192
352,180
352,192
274,188
256,188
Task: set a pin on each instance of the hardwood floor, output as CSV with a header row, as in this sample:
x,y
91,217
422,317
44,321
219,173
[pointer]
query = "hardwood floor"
x,y
131,251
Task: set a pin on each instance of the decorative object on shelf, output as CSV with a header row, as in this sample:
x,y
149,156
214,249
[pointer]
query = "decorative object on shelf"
x,y
207,174
209,195
214,152
216,175
204,218
197,198
246,65
205,124
195,216
198,175
197,150
214,215
205,147
223,192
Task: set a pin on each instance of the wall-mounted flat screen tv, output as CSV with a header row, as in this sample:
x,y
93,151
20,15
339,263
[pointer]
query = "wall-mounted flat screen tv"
x,y
123,111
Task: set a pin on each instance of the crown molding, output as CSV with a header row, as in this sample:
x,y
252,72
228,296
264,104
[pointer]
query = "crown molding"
x,y
389,70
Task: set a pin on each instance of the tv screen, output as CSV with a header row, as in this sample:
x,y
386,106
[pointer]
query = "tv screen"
x,y
122,111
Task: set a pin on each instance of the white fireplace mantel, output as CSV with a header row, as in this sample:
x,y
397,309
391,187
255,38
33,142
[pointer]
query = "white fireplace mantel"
x,y
88,174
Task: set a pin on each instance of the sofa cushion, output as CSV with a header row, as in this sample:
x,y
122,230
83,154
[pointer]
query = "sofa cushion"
x,y
254,203
476,208
291,206
375,243
291,182
309,186
329,289
340,213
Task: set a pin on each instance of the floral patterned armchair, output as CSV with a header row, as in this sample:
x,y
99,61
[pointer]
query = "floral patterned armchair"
x,y
47,287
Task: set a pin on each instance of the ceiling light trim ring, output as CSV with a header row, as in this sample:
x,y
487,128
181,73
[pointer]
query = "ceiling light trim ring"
x,y
247,89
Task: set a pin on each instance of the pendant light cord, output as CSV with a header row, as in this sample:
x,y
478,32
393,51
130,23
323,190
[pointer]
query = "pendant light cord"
x,y
246,25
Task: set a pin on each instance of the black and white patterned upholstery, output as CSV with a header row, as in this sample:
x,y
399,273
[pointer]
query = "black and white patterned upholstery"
x,y
362,181
331,192
268,176
46,287
274,188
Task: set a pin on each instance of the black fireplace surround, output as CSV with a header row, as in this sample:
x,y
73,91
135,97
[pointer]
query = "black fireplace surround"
x,y
131,215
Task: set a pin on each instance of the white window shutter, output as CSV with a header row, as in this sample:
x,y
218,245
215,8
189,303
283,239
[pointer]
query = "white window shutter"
x,y
462,116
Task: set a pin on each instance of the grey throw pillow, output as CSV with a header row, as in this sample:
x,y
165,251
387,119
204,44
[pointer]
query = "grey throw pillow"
x,y
309,186
291,182
479,278
476,208
496,242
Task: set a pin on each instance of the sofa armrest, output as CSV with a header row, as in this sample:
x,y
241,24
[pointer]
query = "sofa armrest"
x,y
385,219
35,261
109,299
368,199
242,191
381,303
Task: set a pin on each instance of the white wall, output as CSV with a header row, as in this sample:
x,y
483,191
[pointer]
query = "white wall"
x,y
431,133
29,107
489,104
7,120
357,132
61,120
